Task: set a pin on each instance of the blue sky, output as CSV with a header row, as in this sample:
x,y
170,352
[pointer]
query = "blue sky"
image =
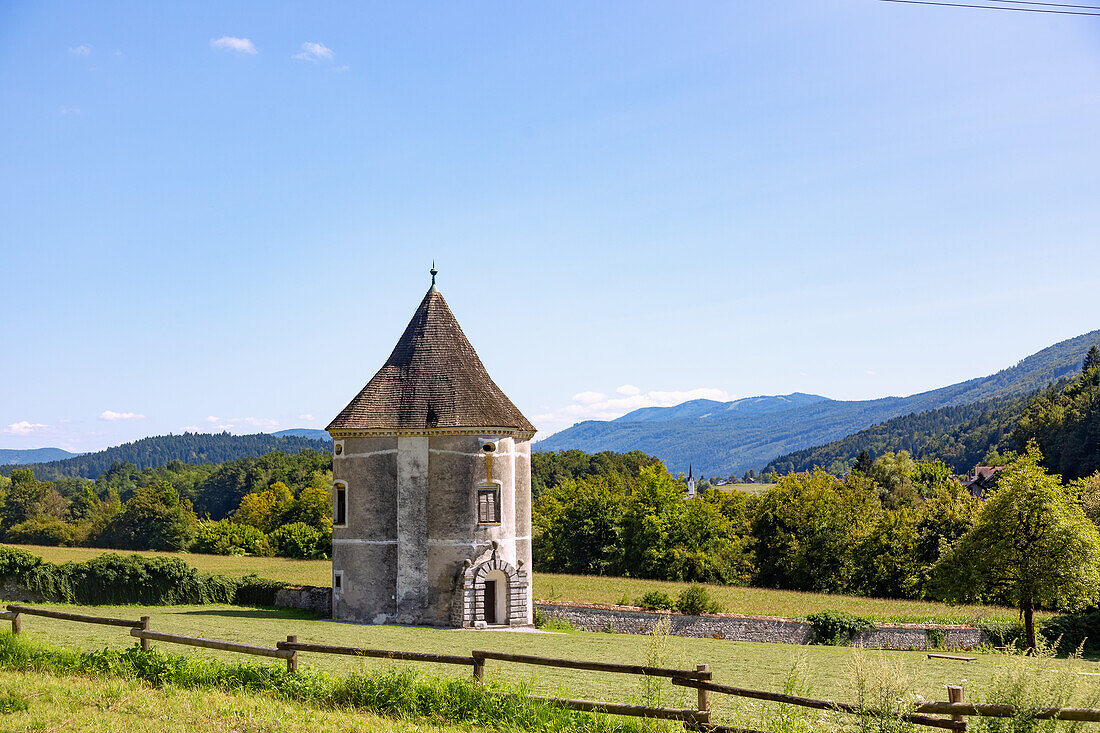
x,y
221,215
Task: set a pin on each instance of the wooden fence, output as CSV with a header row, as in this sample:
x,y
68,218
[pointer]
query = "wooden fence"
x,y
699,678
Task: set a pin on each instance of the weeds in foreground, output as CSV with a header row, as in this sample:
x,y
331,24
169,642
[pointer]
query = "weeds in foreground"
x,y
781,718
1029,682
397,693
882,689
657,653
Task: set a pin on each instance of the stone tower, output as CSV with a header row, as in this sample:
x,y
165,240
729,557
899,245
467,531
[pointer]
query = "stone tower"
x,y
432,488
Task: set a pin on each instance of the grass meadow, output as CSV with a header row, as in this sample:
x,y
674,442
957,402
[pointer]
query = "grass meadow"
x,y
828,670
105,705
590,589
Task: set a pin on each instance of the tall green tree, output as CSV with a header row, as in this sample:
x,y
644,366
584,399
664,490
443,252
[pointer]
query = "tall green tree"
x,y
807,528
153,519
1092,359
1031,545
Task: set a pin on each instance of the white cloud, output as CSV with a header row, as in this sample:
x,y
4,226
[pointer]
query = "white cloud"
x,y
313,52
116,416
596,406
23,428
229,43
70,110
307,417
230,424
589,398
81,50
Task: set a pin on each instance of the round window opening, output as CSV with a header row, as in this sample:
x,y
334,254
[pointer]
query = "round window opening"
x,y
339,449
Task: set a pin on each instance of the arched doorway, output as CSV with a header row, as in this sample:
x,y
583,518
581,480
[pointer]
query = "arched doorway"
x,y
495,597
489,593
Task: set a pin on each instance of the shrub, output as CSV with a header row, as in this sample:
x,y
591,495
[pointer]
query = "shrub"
x,y
302,542
836,628
131,579
557,624
42,530
1072,632
16,563
656,600
695,600
255,591
230,538
937,638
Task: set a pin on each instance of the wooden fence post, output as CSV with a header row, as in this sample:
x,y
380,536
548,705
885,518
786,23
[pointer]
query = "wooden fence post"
x,y
704,695
16,624
955,694
145,627
479,667
292,660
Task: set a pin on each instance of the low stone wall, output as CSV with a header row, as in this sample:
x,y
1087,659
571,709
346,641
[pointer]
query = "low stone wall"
x,y
306,597
12,592
736,627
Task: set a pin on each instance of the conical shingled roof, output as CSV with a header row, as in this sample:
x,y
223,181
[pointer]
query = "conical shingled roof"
x,y
433,379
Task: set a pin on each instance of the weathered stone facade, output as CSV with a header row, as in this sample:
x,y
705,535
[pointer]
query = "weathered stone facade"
x,y
412,547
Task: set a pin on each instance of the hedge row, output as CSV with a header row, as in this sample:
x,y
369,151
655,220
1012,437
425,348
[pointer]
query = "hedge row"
x,y
113,579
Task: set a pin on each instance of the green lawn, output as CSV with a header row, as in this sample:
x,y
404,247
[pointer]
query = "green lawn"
x,y
591,589
104,705
761,666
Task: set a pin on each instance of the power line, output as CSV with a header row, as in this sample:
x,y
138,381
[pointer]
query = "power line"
x,y
992,7
1051,5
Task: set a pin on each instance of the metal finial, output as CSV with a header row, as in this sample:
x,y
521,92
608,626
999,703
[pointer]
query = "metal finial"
x,y
434,273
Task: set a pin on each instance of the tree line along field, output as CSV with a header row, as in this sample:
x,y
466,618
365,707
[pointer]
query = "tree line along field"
x,y
592,589
760,666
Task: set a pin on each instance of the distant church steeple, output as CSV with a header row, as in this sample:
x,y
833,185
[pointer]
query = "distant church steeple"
x,y
691,481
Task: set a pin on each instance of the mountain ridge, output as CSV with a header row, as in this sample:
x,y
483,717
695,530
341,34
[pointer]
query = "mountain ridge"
x,y
157,450
19,457
729,442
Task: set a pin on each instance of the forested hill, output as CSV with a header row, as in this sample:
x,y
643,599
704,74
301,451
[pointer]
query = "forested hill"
x,y
159,450
1064,419
32,455
724,438
960,436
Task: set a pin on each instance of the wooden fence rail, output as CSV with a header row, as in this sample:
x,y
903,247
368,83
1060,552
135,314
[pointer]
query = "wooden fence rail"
x,y
298,646
693,674
15,608
225,646
699,678
807,702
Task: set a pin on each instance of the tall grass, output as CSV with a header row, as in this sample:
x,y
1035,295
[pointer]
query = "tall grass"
x,y
396,693
883,692
1028,682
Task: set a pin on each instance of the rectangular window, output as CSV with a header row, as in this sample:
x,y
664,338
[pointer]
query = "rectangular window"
x,y
488,506
340,505
337,582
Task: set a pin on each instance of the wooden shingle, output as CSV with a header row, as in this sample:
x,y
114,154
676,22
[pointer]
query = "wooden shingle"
x,y
433,379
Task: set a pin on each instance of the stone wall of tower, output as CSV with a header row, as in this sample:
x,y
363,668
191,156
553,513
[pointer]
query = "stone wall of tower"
x,y
412,526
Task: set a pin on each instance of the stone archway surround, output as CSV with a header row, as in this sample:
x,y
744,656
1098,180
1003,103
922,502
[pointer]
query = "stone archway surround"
x,y
469,610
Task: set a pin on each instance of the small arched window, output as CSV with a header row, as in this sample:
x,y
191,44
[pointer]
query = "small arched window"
x,y
339,504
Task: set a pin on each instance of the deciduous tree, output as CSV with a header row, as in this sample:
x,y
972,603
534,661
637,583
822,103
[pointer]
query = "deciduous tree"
x,y
1031,545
